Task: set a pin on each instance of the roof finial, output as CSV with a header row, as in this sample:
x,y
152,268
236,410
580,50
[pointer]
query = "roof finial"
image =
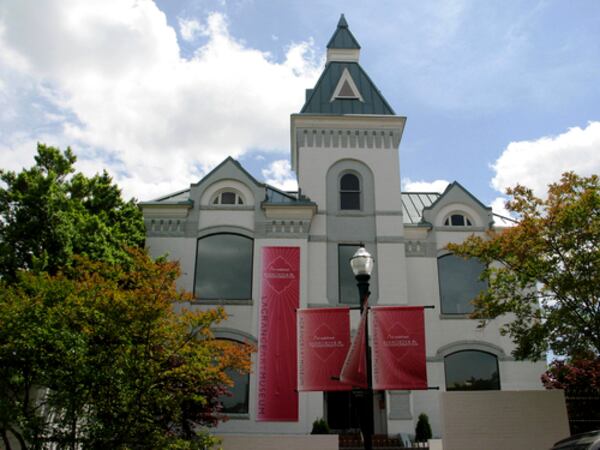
x,y
342,37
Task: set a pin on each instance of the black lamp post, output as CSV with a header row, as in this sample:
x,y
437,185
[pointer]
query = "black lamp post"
x,y
362,266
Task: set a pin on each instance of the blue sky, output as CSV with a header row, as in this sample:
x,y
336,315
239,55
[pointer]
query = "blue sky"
x,y
158,93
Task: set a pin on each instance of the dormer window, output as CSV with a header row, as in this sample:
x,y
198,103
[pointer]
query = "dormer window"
x,y
346,88
228,197
458,220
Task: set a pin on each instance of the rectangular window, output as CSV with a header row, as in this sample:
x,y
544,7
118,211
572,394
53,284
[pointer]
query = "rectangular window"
x,y
224,267
348,292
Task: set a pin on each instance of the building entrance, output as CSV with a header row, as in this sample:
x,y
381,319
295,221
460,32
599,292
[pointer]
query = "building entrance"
x,y
343,412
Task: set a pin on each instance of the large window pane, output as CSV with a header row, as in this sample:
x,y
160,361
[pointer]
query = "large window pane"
x,y
224,267
350,200
236,402
459,283
347,283
471,370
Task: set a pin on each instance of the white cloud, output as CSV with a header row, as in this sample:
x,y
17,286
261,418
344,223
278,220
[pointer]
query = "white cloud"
x,y
540,162
499,208
279,174
18,155
114,68
424,186
190,29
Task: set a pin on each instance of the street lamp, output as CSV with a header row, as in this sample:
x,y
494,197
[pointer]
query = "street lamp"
x,y
362,266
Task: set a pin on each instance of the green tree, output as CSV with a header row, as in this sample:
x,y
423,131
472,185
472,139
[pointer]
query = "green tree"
x,y
48,213
545,271
103,355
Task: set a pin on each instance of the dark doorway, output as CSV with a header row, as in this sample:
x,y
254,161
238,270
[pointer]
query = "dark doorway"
x,y
342,411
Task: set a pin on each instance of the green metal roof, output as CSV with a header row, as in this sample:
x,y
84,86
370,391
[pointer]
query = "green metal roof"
x,y
342,37
413,204
319,101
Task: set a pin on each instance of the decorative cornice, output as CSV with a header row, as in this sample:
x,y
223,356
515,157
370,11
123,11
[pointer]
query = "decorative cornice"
x,y
418,248
285,228
347,138
299,211
165,227
225,208
345,131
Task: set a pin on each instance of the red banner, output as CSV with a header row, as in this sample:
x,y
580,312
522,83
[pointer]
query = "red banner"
x,y
323,342
354,370
398,348
280,293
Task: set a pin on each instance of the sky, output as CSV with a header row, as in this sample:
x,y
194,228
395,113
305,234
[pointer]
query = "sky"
x,y
159,92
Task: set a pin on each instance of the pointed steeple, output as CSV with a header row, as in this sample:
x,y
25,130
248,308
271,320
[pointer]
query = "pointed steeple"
x,y
343,46
343,37
344,87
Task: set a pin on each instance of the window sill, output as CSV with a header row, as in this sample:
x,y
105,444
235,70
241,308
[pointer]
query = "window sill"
x,y
235,416
455,316
471,228
199,301
351,213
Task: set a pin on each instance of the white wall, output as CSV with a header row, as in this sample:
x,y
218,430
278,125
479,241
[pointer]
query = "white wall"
x,y
314,163
180,249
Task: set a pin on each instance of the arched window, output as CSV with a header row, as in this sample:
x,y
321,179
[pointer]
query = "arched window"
x,y
224,267
458,220
236,400
349,192
459,283
228,197
471,370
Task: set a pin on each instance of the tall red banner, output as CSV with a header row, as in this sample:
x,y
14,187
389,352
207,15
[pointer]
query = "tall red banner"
x,y
354,370
323,342
398,347
280,293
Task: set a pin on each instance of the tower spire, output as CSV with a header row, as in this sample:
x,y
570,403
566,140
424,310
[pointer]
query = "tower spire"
x,y
343,46
342,22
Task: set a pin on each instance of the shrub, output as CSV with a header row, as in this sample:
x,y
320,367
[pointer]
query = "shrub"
x,y
423,429
320,427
